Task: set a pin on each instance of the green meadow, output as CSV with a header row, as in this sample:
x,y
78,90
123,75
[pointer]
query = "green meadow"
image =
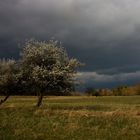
x,y
71,118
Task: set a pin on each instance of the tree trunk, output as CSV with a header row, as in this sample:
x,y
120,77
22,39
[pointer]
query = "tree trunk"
x,y
40,97
3,100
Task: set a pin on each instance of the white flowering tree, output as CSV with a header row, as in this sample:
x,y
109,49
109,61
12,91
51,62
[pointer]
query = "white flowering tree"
x,y
47,68
8,78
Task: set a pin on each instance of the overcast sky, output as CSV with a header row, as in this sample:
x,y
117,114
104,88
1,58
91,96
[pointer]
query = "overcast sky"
x,y
103,34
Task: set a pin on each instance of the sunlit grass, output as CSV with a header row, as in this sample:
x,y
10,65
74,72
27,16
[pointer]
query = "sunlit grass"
x,y
71,118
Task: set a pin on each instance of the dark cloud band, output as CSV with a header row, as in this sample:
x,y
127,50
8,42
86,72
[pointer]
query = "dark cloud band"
x,y
103,34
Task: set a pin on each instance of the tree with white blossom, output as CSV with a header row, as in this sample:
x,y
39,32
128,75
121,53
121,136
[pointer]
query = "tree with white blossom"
x,y
8,78
47,67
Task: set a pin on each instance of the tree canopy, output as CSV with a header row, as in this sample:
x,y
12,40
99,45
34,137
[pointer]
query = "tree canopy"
x,y
44,68
8,78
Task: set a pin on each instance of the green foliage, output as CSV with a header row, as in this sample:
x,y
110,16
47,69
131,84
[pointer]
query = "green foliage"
x,y
92,92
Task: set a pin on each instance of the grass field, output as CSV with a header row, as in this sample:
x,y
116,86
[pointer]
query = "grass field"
x,y
71,118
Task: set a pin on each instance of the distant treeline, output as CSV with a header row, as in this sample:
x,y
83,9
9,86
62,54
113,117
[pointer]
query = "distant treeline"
x,y
117,91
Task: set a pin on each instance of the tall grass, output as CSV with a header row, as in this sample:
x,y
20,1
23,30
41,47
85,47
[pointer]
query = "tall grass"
x,y
71,118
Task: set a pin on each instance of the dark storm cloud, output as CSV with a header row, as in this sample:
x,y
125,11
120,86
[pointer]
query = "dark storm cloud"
x,y
96,80
103,34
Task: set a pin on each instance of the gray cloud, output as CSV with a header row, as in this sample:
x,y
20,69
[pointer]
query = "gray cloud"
x,y
94,79
95,19
103,34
